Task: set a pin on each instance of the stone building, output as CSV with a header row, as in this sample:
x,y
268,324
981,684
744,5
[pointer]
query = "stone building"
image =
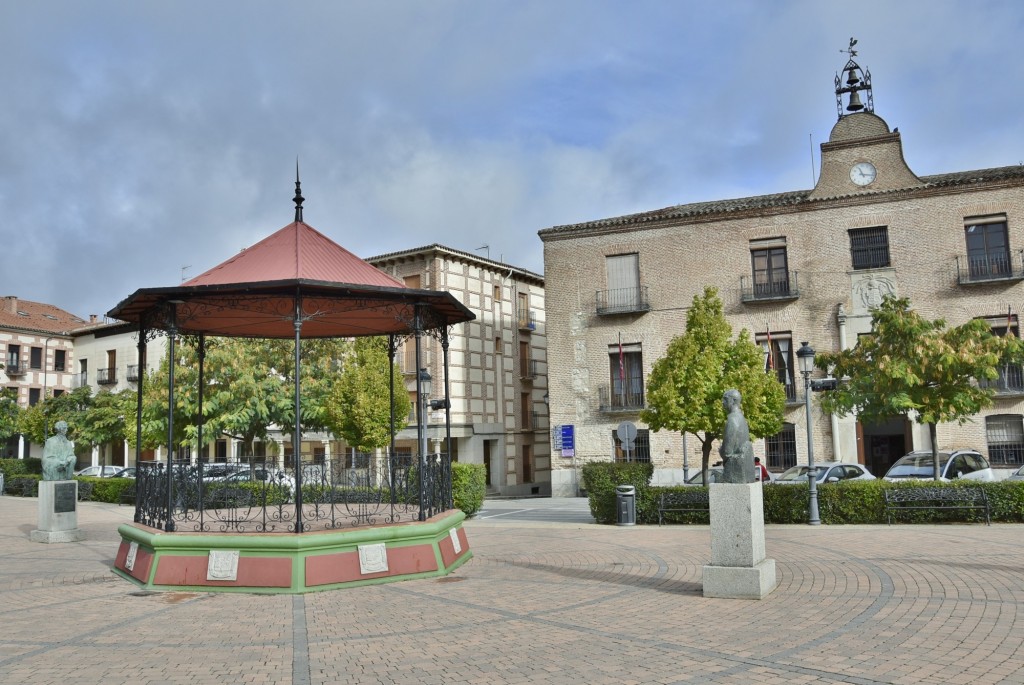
x,y
38,358
804,265
498,365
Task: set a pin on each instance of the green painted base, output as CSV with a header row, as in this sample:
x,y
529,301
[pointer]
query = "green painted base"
x,y
289,563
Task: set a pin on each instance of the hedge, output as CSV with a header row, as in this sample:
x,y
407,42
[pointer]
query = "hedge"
x,y
854,502
469,484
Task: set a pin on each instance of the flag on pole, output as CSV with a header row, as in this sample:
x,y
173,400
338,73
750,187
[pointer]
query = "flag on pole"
x,y
1009,321
622,364
771,355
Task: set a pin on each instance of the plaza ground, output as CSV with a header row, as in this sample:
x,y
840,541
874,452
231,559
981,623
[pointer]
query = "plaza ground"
x,y
548,598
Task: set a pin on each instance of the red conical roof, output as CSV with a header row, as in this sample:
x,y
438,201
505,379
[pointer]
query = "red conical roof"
x,y
296,252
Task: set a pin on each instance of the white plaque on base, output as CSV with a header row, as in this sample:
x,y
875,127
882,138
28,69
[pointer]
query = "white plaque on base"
x,y
223,565
373,558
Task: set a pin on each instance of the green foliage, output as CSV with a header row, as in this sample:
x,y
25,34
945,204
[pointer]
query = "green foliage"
x,y
26,485
600,480
469,483
358,407
71,407
19,467
10,413
105,420
910,364
106,489
684,390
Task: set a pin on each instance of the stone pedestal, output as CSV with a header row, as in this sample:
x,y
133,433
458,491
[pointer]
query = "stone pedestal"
x,y
738,568
58,512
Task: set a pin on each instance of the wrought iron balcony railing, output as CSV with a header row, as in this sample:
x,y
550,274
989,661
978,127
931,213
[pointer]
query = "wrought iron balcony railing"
x,y
527,320
528,368
538,419
1010,381
623,301
785,288
132,374
610,401
106,376
80,380
13,367
989,268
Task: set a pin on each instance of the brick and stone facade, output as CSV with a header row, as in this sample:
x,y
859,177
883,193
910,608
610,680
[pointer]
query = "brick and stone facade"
x,y
497,365
784,265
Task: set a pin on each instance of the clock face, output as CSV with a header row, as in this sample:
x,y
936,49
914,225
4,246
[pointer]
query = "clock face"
x,y
862,173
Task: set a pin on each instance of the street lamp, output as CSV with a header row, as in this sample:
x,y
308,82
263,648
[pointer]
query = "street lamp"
x,y
805,356
423,382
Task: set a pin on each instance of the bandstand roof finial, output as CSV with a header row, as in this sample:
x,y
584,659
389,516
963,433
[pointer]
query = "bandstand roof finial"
x,y
298,199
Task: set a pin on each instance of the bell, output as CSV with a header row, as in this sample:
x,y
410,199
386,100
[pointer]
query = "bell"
x,y
851,78
855,103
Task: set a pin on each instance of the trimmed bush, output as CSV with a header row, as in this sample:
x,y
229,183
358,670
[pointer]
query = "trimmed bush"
x,y
600,480
21,467
104,489
469,483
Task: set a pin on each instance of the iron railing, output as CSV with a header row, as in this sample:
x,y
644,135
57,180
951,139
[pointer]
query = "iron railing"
x,y
528,368
13,367
784,288
989,267
132,374
610,401
80,380
106,376
261,498
1009,382
623,300
526,320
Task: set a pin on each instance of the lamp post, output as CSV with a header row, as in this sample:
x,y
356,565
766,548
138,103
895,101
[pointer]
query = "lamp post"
x,y
46,419
805,356
424,382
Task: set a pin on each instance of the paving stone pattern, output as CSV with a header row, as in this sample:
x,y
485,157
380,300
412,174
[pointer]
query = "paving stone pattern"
x,y
541,603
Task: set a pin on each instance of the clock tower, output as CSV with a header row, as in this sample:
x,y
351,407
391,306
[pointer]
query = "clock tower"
x,y
862,155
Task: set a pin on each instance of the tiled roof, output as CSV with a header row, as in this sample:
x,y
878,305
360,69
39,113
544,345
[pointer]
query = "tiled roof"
x,y
792,198
296,252
36,316
468,256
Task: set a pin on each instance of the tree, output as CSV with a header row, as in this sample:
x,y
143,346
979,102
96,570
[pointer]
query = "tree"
x,y
69,407
358,409
10,413
685,388
911,365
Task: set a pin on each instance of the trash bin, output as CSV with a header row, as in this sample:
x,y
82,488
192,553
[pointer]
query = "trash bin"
x,y
625,505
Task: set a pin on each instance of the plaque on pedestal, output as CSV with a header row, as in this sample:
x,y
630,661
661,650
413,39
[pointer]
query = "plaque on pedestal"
x,y
58,512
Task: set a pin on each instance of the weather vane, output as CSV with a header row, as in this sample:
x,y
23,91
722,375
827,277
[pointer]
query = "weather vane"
x,y
850,51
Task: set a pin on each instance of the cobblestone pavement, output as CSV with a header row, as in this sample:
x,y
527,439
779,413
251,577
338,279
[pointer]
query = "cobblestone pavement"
x,y
540,603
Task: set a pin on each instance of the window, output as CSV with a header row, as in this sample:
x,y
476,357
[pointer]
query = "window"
x,y
778,359
525,370
33,396
1005,435
624,293
14,356
639,451
1011,376
524,317
36,358
525,410
57,392
770,267
59,360
627,376
780,449
869,247
988,250
527,464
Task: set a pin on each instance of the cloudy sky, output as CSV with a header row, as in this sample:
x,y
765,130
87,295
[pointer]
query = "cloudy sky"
x,y
141,140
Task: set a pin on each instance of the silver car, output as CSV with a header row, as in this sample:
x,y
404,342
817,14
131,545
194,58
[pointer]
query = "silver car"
x,y
965,464
1017,475
826,472
715,476
107,471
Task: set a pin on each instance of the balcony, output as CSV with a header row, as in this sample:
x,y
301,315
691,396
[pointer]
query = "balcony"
x,y
13,367
612,402
528,369
538,419
1009,382
80,380
132,375
778,289
106,376
623,301
989,268
526,320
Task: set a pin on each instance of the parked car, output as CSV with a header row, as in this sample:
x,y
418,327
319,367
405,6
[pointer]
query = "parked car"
x,y
262,474
826,472
714,476
128,472
98,471
1017,475
966,464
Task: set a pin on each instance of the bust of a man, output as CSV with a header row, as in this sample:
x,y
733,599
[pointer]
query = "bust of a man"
x,y
58,455
736,450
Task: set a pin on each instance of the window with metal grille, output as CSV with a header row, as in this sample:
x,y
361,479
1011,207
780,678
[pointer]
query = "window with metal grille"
x,y
869,247
627,375
640,451
780,448
778,359
988,249
1005,435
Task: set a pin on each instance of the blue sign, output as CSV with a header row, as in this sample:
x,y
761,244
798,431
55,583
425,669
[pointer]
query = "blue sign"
x,y
568,441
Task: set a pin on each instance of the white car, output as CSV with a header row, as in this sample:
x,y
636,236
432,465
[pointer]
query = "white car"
x,y
965,464
107,471
826,472
1017,475
715,476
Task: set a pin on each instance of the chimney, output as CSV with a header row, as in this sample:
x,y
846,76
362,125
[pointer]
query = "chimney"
x,y
92,318
12,303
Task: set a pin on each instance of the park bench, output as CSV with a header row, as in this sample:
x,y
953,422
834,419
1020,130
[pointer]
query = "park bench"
x,y
932,498
693,500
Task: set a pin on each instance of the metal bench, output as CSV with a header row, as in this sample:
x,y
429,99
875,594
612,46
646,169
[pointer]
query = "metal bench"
x,y
932,498
689,501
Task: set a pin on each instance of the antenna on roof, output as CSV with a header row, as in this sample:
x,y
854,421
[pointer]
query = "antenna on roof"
x,y
298,193
183,268
485,247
